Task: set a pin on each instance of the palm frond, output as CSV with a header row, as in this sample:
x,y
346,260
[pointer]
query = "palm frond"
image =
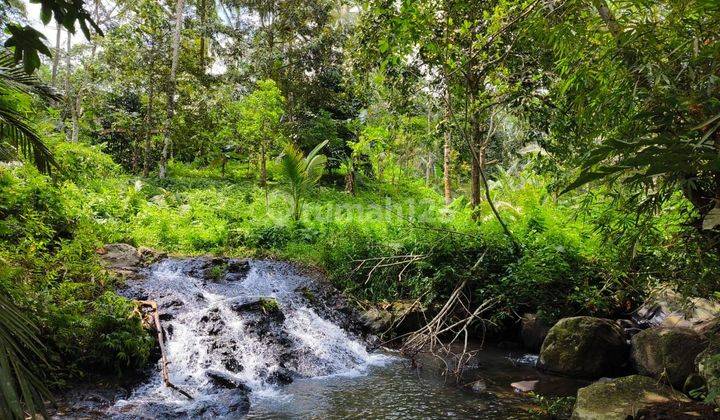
x,y
301,172
21,391
17,136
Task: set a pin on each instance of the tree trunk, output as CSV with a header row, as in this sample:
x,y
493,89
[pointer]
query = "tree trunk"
x,y
148,130
447,183
96,18
203,8
75,111
474,182
475,133
70,99
429,169
135,154
263,167
172,87
350,182
56,58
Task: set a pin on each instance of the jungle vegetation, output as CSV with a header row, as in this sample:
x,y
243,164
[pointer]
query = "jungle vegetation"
x,y
559,156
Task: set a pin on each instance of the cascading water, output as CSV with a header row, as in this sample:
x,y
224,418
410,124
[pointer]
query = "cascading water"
x,y
235,329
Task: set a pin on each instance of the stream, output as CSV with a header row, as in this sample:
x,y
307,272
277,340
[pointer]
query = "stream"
x,y
261,339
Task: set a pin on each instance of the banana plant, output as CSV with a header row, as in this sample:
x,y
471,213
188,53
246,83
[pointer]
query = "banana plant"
x,y
301,173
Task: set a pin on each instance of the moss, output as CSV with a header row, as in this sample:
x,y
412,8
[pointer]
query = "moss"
x,y
308,294
622,397
584,347
217,272
269,305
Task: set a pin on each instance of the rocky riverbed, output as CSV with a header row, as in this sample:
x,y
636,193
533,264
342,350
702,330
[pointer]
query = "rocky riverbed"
x,y
265,339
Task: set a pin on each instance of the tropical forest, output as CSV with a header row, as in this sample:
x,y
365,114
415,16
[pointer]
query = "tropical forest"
x,y
368,209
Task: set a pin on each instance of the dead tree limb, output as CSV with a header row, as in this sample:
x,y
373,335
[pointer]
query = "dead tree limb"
x,y
155,314
453,320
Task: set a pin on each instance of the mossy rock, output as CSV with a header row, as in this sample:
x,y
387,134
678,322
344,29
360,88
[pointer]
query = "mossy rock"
x,y
622,398
584,347
269,305
667,353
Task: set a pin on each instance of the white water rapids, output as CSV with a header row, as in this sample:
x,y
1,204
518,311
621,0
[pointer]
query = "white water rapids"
x,y
215,328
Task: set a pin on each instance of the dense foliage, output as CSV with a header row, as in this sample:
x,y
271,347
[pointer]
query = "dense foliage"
x,y
560,158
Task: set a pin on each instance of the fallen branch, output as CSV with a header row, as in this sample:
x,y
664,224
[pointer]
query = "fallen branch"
x,y
390,261
454,320
161,342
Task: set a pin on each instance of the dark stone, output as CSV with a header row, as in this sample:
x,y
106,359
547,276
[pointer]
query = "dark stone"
x,y
223,380
281,376
212,322
584,347
233,365
667,353
533,331
237,270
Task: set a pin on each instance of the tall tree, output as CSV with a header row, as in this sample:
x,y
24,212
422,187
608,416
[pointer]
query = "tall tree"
x,y
172,87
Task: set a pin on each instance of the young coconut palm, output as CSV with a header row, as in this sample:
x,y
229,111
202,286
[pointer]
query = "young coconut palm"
x,y
301,173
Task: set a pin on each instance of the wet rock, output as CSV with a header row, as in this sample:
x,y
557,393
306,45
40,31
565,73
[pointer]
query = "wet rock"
x,y
266,305
237,270
223,380
171,304
533,331
622,398
282,376
666,308
478,387
150,256
584,347
524,386
667,353
232,365
212,322
629,326
120,258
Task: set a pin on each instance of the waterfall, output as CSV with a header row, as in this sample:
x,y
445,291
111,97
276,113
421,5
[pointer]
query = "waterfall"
x,y
238,331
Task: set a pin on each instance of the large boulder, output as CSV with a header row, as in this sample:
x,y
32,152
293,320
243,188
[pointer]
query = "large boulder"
x,y
120,257
376,320
533,331
400,316
125,260
584,347
667,353
622,398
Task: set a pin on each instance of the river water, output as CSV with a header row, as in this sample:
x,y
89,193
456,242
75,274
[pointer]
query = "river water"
x,y
260,339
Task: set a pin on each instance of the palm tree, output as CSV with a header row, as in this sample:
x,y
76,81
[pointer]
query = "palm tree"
x,y
21,392
301,173
17,136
